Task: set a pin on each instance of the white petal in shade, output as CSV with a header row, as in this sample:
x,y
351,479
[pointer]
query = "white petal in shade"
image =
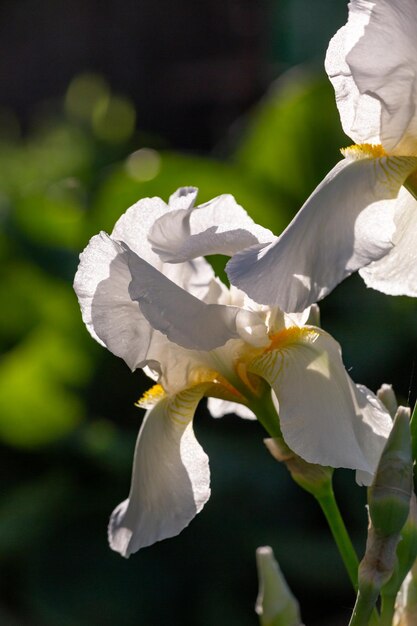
x,y
170,477
324,417
112,318
372,430
347,222
180,316
219,408
220,226
396,273
371,62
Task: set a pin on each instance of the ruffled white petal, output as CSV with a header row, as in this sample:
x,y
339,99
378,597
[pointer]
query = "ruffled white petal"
x,y
220,226
324,417
183,198
112,318
371,62
396,273
346,223
183,318
170,477
103,278
133,228
219,408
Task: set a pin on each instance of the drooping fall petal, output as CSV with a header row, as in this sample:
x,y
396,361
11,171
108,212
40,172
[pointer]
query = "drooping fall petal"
x,y
324,417
170,477
347,223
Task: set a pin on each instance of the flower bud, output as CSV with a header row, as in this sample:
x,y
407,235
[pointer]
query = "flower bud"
x,y
275,605
389,495
388,398
406,552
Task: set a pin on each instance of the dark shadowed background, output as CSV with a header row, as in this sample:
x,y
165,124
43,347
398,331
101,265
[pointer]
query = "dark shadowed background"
x,y
102,103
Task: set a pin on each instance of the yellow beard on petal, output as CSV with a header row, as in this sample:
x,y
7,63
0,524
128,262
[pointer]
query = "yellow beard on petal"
x,y
363,151
219,388
151,397
291,335
376,151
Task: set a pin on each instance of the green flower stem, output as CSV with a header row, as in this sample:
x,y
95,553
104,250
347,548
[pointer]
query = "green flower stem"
x,y
317,481
363,613
413,429
327,502
387,609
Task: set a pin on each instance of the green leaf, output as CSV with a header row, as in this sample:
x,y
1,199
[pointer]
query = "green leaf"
x,y
293,137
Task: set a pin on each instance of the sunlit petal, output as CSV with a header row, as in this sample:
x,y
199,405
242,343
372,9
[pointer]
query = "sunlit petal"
x,y
371,63
133,228
396,273
170,477
220,226
112,318
183,198
324,417
183,318
346,223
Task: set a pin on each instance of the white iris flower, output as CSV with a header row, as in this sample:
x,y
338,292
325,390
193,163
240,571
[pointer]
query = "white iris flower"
x,y
146,302
360,216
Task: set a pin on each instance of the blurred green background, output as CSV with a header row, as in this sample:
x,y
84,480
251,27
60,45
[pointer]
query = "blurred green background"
x,y
81,140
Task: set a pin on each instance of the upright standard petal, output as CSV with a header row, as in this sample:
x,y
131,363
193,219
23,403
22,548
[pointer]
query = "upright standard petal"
x,y
183,198
183,318
347,223
170,477
220,226
396,273
133,228
324,417
371,62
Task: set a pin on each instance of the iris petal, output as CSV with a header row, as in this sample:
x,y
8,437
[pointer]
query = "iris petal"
x,y
347,223
324,417
220,226
170,477
371,63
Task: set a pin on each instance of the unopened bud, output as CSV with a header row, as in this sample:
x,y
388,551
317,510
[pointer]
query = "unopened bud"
x,y
388,398
390,493
275,605
406,552
311,477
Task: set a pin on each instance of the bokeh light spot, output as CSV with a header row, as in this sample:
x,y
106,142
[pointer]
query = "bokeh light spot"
x,y
84,93
144,164
114,119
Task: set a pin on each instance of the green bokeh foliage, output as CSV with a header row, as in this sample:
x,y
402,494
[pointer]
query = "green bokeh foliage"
x,y
67,421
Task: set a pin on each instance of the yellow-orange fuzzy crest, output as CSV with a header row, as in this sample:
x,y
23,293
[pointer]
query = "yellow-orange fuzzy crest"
x,y
363,151
151,397
287,336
